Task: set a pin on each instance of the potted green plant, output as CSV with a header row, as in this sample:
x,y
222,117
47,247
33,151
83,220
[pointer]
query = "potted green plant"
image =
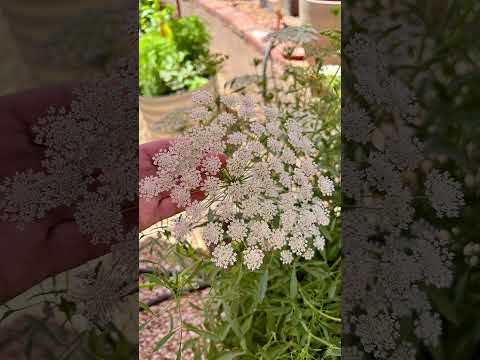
x,y
174,60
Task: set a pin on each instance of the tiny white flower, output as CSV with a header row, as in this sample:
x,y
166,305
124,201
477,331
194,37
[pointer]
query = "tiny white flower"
x,y
211,165
319,242
286,257
181,228
309,254
212,233
211,185
202,97
326,185
253,258
200,113
237,230
277,240
298,244
227,119
224,256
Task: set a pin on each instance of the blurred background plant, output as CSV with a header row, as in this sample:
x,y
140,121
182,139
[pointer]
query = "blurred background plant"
x,y
173,52
437,86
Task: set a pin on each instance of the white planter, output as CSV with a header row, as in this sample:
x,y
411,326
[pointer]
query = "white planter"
x,y
318,13
157,111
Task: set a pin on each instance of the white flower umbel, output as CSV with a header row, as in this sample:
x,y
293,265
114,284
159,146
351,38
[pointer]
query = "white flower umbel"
x,y
253,258
265,194
83,167
286,257
224,256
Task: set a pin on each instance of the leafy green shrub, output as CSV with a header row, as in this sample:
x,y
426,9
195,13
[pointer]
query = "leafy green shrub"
x,y
152,13
173,53
191,35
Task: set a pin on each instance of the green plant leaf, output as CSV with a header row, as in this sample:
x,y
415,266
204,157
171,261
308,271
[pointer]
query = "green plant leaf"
x,y
293,283
230,355
263,285
164,340
206,334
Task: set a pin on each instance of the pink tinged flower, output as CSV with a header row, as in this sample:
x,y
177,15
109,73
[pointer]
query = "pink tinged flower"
x,y
238,164
191,179
237,138
275,145
223,256
212,233
260,230
227,119
180,196
253,258
258,129
211,165
288,220
202,98
200,113
247,107
277,240
275,164
148,187
286,180
237,230
181,228
326,185
319,242
268,210
308,167
226,210
230,101
251,206
211,185
321,214
288,156
195,212
298,244
237,191
309,254
273,129
305,193
286,257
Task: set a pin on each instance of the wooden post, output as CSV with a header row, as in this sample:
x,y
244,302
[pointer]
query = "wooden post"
x,y
179,9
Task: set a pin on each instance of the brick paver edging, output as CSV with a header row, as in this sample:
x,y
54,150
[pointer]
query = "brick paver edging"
x,y
243,25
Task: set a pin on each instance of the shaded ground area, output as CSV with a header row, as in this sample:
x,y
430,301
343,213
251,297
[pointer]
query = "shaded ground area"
x,y
158,321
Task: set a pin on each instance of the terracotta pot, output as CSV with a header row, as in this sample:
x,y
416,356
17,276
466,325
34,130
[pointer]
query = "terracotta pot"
x,y
318,13
161,115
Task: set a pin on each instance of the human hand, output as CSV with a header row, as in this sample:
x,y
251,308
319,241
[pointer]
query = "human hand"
x,y
154,210
53,244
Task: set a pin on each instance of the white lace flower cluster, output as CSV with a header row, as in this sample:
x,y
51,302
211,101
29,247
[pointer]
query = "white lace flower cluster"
x,y
269,195
84,167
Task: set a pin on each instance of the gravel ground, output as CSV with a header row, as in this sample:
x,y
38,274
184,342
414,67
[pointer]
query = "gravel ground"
x,y
159,324
159,320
